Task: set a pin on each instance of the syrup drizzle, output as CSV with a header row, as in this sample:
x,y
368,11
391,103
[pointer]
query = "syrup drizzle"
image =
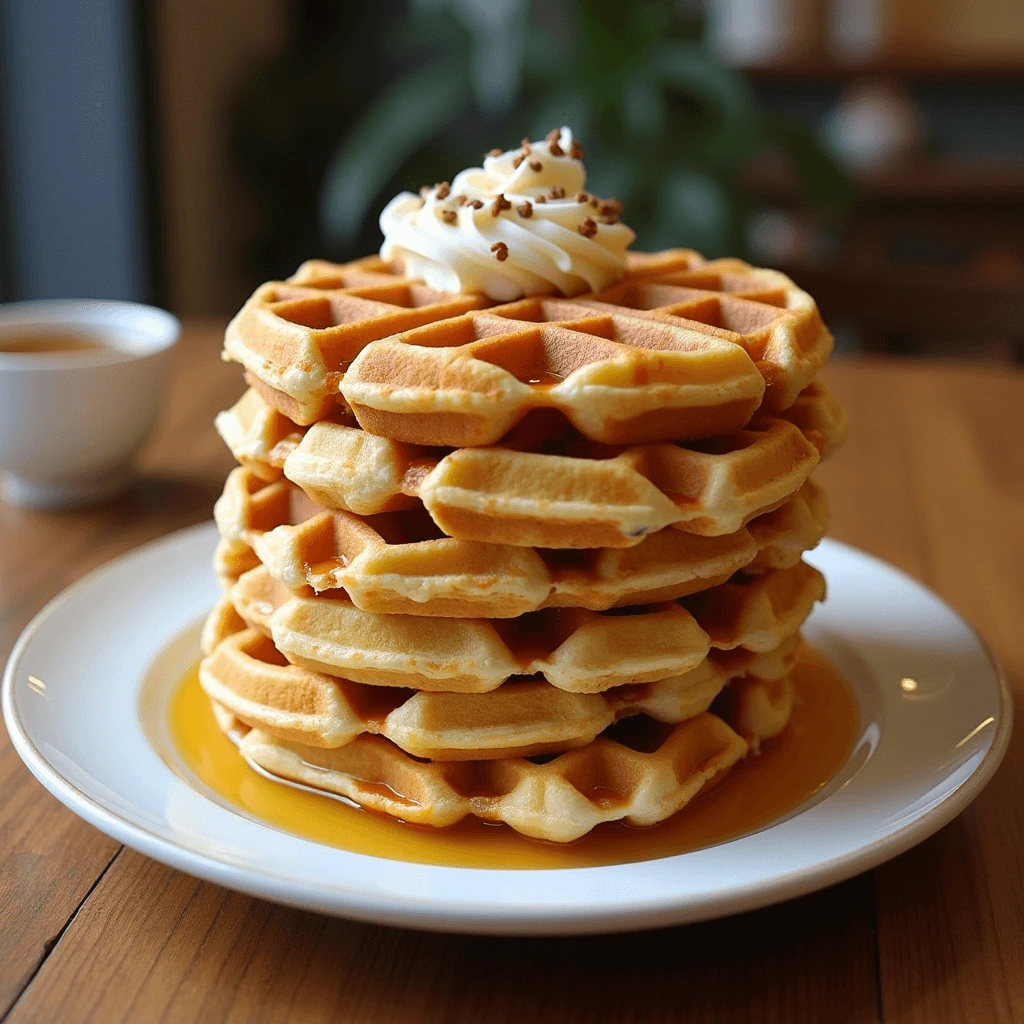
x,y
789,770
544,380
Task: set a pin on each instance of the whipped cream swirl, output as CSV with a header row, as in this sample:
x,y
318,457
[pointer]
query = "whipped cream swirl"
x,y
522,224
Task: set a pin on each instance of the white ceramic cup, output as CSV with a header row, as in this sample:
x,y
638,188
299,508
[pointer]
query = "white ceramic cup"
x,y
72,423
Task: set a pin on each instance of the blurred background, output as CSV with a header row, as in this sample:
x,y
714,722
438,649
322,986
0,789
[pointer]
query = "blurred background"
x,y
181,153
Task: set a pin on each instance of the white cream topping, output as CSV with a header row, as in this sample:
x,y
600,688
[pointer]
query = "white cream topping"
x,y
520,225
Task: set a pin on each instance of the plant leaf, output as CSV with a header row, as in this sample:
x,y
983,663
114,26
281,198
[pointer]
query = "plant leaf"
x,y
406,116
692,69
497,43
643,107
696,212
823,184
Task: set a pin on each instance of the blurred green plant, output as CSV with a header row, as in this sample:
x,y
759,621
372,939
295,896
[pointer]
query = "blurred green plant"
x,y
667,128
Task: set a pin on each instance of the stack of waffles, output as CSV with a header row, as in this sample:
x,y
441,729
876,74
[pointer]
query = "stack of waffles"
x,y
537,562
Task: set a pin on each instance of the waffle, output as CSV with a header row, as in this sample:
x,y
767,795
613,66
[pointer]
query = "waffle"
x,y
761,709
574,649
222,622
784,535
762,310
598,498
654,359
618,379
558,801
568,495
245,675
819,416
252,429
399,563
295,337
261,438
641,778
231,562
758,612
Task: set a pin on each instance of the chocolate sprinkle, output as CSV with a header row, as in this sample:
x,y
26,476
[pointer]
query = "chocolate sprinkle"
x,y
443,190
576,150
556,192
500,203
476,204
449,216
525,209
494,152
536,165
500,250
588,228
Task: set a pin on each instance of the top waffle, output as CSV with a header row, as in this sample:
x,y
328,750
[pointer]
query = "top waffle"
x,y
619,379
681,348
295,338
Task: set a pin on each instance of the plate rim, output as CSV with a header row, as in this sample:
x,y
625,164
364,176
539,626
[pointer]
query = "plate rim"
x,y
436,914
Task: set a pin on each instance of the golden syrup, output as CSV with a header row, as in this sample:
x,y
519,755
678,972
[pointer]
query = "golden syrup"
x,y
49,341
544,380
789,770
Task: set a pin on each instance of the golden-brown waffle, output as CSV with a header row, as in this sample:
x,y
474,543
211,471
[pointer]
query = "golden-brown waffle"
x,y
260,436
296,337
469,380
560,800
600,498
763,310
567,495
784,535
818,413
781,537
760,708
574,649
245,674
400,563
757,612
619,379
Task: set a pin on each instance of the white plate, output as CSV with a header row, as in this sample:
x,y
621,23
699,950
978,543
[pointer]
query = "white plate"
x,y
70,700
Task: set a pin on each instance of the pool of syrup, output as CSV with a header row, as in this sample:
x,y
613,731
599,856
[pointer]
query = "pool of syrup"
x,y
788,771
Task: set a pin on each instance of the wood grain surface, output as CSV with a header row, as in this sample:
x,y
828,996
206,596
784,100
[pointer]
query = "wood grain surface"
x,y
932,479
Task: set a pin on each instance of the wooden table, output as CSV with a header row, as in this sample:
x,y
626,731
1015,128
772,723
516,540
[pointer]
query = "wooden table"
x,y
931,479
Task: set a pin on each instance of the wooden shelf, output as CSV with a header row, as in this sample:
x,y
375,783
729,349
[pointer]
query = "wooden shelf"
x,y
927,179
921,299
827,68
